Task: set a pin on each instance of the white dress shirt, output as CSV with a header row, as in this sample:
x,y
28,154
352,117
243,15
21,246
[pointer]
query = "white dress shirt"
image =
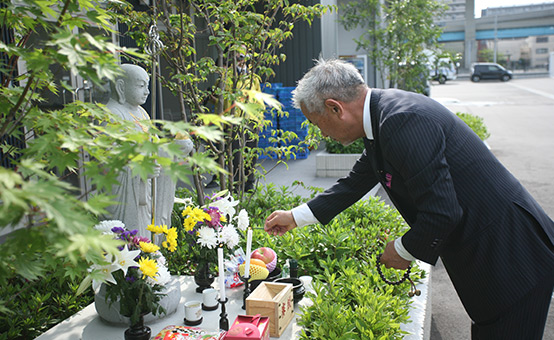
x,y
303,214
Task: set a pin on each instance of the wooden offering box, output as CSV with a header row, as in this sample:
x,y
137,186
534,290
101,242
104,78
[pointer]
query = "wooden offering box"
x,y
275,301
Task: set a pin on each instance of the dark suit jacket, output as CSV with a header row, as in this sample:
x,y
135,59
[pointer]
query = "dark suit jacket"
x,y
461,204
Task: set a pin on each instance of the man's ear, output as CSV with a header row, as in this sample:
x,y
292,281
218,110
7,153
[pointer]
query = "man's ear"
x,y
334,106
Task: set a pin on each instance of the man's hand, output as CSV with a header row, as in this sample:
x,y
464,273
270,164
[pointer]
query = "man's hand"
x,y
390,258
279,222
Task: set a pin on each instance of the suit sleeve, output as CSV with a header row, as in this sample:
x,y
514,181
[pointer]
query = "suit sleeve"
x,y
415,146
347,191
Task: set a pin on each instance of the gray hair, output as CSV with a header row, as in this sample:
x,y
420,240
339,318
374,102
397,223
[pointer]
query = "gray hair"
x,y
334,78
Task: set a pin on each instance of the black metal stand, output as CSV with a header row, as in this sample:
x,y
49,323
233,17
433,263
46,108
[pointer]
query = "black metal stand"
x,y
223,321
246,291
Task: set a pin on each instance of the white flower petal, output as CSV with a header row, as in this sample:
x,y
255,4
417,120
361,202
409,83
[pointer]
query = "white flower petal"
x,y
106,226
226,205
126,258
185,201
207,237
242,220
229,236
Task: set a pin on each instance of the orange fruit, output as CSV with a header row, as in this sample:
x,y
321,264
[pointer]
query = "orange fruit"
x,y
258,262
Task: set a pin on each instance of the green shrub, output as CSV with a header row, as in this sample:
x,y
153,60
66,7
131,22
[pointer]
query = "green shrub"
x,y
350,299
36,306
476,123
333,146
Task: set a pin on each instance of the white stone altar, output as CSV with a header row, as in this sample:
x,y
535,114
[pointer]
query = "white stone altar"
x,y
87,325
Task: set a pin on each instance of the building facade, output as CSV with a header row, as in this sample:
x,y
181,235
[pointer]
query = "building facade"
x,y
520,37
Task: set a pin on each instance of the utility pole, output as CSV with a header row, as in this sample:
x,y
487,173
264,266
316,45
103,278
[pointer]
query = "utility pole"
x,y
495,37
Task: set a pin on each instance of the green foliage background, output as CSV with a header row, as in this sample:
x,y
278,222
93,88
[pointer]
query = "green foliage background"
x,y
476,123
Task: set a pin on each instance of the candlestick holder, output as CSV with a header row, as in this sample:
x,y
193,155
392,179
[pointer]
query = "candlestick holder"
x,y
223,321
246,291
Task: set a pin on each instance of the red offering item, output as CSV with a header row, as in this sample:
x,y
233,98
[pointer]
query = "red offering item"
x,y
247,327
188,333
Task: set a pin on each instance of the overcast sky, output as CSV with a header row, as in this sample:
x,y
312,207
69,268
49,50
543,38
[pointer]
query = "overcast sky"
x,y
482,4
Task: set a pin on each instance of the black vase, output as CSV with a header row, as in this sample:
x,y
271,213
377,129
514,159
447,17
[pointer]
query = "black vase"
x,y
138,331
203,278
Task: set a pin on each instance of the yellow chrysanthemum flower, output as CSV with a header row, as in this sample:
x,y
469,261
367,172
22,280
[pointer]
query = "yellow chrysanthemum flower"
x,y
157,229
152,228
171,234
148,267
200,215
193,216
171,246
186,211
189,223
171,240
148,247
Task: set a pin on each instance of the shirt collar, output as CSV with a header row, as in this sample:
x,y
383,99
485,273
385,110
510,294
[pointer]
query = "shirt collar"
x,y
367,116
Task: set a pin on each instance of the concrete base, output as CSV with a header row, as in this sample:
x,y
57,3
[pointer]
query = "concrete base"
x,y
334,165
110,312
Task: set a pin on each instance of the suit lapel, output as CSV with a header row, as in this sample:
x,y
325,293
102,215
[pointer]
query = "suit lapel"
x,y
390,180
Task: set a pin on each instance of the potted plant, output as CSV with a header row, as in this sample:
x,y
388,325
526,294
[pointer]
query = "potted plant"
x,y
133,278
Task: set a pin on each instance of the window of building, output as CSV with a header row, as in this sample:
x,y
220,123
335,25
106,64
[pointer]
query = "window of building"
x,y
542,39
541,50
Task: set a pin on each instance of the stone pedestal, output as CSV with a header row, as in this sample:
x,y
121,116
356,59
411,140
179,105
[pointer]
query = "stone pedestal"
x,y
334,165
110,313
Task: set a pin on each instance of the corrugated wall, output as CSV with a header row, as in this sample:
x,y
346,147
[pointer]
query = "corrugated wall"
x,y
301,51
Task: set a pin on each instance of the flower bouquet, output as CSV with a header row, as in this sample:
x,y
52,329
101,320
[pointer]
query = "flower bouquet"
x,y
209,226
137,274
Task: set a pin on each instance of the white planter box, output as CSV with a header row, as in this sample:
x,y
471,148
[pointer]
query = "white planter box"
x,y
334,165
419,327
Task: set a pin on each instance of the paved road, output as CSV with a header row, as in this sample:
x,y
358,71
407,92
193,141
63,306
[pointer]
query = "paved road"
x,y
520,117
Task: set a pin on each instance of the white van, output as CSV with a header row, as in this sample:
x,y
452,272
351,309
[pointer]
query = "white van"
x,y
446,71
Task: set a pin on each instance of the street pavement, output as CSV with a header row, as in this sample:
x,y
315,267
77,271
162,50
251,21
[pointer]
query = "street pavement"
x,y
519,115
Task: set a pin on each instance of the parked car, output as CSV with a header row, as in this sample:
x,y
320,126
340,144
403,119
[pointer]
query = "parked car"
x,y
489,71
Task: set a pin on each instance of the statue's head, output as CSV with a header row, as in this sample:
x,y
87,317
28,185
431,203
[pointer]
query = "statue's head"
x,y
132,86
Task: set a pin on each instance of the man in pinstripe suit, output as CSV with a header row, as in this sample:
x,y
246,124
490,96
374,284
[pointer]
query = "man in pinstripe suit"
x,y
461,204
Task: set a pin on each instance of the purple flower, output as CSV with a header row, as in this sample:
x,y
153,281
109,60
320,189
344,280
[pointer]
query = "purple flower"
x,y
117,230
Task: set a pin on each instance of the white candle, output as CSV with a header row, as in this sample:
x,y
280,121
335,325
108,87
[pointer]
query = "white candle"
x,y
248,251
221,273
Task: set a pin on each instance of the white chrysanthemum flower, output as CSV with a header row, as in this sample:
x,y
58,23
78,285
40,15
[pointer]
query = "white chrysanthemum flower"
x,y
229,236
207,237
185,201
226,206
106,226
161,259
162,276
242,220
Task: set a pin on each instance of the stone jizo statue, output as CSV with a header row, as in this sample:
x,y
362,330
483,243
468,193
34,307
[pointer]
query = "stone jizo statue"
x,y
128,93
